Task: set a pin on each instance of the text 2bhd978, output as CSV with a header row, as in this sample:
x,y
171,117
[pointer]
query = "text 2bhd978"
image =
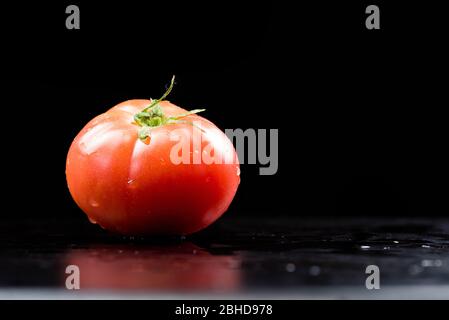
x,y
242,309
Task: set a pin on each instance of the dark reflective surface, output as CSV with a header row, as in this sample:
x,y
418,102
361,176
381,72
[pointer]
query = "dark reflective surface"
x,y
182,267
232,256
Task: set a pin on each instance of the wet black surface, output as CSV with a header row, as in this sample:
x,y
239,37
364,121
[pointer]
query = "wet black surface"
x,y
234,255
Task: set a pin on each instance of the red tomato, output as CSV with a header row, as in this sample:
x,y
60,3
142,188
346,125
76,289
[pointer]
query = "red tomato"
x,y
120,170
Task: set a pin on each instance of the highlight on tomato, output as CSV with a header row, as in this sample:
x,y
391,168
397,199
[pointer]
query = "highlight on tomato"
x,y
149,167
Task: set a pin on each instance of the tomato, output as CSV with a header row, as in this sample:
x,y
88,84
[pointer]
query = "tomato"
x,y
121,170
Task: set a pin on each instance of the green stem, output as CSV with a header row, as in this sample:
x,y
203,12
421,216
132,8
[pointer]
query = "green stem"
x,y
153,116
165,95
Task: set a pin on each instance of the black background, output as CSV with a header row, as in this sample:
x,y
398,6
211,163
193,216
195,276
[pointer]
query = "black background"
x,y
361,113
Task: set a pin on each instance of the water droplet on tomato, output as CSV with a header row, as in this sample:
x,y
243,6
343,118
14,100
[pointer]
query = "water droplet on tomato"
x,y
238,171
92,220
86,150
132,183
94,203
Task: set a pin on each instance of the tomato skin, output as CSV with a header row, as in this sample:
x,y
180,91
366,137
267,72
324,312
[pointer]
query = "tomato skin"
x,y
133,188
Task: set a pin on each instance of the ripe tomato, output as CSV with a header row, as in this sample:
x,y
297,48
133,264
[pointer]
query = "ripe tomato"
x,y
120,170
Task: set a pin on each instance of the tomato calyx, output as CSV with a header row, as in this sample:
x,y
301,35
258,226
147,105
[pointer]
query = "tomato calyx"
x,y
153,116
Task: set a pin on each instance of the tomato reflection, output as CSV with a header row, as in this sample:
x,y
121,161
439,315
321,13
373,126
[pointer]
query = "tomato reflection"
x,y
181,267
